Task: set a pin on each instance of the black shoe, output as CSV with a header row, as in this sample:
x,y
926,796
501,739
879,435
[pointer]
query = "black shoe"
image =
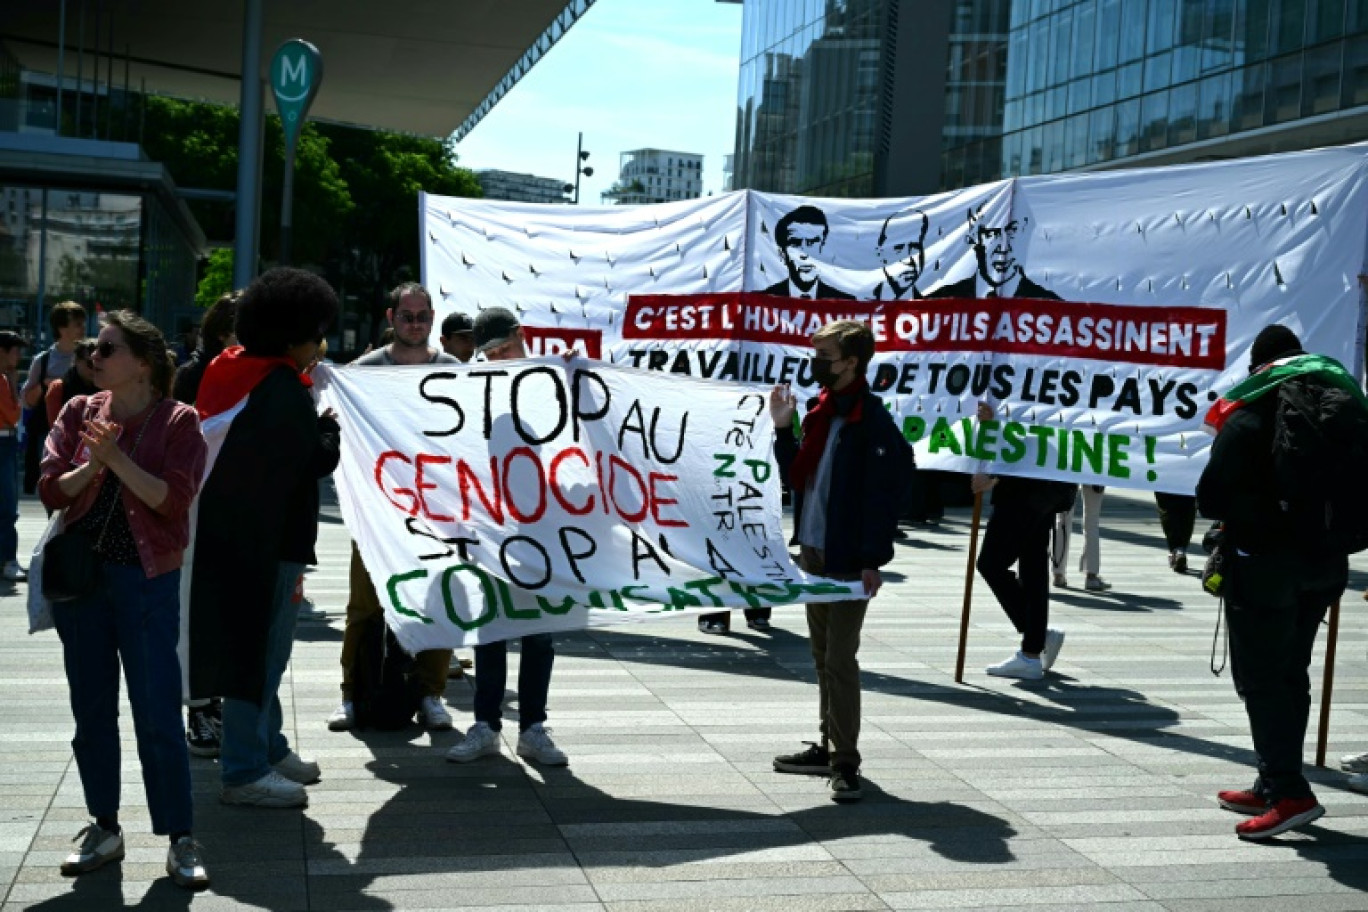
x,y
845,784
815,761
201,734
758,624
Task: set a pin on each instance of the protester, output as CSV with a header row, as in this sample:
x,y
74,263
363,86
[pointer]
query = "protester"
x,y
78,381
1018,534
1090,561
215,335
841,476
458,337
125,463
410,316
257,526
11,347
1177,516
1278,585
499,337
68,323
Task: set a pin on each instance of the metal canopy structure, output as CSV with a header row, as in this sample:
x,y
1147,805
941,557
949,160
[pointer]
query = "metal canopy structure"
x,y
429,67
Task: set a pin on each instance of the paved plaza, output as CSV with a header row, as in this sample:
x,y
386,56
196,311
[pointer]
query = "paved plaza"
x,y
1092,789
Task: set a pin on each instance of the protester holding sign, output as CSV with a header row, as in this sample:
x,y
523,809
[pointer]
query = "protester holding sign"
x,y
844,478
256,529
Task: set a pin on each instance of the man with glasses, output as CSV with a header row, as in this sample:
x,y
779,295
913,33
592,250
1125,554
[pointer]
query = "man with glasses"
x,y
410,315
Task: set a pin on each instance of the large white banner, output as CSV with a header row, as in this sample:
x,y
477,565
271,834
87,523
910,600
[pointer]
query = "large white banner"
x,y
1099,313
496,500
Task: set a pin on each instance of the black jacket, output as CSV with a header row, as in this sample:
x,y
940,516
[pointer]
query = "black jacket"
x,y
866,481
821,291
1239,485
258,507
968,288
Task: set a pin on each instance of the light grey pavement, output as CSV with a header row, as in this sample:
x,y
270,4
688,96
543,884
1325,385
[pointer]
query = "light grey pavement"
x,y
1093,789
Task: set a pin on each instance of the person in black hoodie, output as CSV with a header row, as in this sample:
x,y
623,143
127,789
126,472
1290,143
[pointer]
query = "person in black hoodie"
x,y
1276,594
216,334
257,526
844,477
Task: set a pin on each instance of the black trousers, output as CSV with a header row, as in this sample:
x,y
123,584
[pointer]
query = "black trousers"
x,y
1019,535
1177,516
1274,607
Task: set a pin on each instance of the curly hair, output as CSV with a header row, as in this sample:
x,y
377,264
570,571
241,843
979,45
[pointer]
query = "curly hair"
x,y
284,307
218,322
146,343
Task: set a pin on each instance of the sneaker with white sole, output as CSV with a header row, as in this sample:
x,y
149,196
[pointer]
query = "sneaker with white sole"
x,y
536,744
1096,584
98,847
271,790
479,741
185,864
201,734
1358,782
1054,641
297,769
342,718
1354,763
1018,666
433,714
15,573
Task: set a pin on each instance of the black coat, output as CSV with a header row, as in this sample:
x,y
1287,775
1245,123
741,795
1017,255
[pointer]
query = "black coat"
x,y
968,288
1239,484
821,291
258,507
866,484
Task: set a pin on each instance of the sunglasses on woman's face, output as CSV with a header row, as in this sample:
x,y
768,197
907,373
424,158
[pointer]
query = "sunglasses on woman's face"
x,y
107,349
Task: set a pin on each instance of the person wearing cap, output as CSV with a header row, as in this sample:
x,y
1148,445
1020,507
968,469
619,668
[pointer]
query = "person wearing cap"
x,y
410,316
458,339
499,337
1277,591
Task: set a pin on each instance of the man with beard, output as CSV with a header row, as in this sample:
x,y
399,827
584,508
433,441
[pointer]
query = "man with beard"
x,y
840,475
902,247
999,274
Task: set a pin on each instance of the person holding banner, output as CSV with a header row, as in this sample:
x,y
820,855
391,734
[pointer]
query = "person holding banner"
x,y
843,476
1090,561
410,316
458,337
257,527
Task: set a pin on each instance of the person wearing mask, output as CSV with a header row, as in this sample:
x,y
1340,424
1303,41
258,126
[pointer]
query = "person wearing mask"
x,y
11,347
125,464
257,527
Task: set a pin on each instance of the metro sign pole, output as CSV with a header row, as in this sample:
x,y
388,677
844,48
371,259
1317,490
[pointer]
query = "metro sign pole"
x,y
296,73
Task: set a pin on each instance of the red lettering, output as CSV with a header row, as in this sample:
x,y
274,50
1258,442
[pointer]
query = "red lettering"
x,y
429,459
513,509
657,501
412,508
614,462
566,505
468,480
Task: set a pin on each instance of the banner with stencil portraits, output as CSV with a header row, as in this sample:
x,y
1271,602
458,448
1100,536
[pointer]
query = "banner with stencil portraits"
x,y
1099,314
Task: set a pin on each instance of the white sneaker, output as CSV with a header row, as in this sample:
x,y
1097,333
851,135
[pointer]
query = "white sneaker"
x,y
1054,641
433,714
480,741
297,769
98,847
1358,782
536,744
271,790
1019,666
1354,763
342,718
15,573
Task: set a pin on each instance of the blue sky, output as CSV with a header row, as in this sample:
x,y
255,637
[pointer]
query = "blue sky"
x,y
630,74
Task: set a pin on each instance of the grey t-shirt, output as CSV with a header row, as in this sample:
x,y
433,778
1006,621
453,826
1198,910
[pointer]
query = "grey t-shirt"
x,y
813,531
58,363
381,357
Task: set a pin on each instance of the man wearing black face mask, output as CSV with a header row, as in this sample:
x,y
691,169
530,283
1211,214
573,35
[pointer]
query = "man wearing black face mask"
x,y
843,476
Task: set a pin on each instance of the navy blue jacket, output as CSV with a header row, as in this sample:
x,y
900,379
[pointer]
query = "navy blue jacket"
x,y
866,478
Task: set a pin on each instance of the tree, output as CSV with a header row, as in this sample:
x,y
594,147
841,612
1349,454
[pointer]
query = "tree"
x,y
218,277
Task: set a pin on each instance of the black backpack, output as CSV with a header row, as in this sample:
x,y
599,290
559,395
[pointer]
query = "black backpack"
x,y
1320,461
385,692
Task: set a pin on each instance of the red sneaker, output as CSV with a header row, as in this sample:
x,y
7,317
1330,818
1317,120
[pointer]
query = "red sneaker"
x,y
1242,801
1284,815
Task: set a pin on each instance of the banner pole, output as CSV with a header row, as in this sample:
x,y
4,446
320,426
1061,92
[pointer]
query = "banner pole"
x,y
968,586
1327,684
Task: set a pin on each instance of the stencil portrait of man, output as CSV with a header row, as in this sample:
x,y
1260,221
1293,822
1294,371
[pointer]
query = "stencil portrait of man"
x,y
999,275
902,248
801,236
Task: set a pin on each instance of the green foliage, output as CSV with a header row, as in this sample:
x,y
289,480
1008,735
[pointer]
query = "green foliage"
x,y
218,277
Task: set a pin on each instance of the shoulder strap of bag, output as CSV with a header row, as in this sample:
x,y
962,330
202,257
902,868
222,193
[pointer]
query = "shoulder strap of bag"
x,y
131,453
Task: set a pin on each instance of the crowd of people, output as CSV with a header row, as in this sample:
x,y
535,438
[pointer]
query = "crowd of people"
x,y
123,452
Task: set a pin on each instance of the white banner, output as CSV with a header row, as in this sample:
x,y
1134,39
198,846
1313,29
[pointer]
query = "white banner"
x,y
491,501
1100,313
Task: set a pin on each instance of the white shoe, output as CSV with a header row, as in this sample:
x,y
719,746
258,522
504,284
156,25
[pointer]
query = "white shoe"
x,y
1018,666
14,573
433,714
1054,641
342,718
271,790
297,769
479,741
185,864
1354,763
536,744
1358,782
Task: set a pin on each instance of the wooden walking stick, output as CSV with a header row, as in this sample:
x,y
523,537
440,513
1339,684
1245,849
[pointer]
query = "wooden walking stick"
x,y
968,586
1327,684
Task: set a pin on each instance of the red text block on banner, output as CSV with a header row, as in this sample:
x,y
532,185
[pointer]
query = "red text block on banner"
x,y
547,340
1193,337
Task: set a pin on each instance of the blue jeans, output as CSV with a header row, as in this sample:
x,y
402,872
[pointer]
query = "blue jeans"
x,y
9,498
136,620
252,737
534,680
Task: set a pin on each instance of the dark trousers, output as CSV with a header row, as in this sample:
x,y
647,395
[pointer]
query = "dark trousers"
x,y
1018,534
1274,607
1177,516
534,680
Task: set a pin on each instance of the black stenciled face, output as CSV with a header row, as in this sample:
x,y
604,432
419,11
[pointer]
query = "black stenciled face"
x,y
903,259
993,248
803,243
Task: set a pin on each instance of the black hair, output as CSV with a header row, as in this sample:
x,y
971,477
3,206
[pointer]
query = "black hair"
x,y
218,322
146,343
807,215
284,307
9,339
408,288
64,314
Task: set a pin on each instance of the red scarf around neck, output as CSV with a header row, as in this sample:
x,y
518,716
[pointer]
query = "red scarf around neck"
x,y
817,426
233,375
